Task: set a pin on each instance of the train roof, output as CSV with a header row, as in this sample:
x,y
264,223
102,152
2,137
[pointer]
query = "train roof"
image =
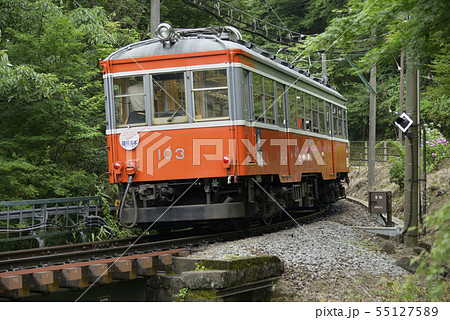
x,y
211,39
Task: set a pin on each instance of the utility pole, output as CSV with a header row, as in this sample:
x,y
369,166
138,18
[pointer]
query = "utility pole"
x,y
324,68
411,195
372,125
372,129
400,111
155,16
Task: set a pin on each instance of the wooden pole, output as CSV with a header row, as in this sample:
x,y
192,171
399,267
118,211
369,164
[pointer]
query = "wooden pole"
x,y
372,130
155,16
411,195
324,68
400,110
372,125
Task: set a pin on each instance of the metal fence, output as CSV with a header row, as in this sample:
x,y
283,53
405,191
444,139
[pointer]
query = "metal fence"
x,y
40,219
359,152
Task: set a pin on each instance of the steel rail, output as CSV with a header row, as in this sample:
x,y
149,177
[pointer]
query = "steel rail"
x,y
42,257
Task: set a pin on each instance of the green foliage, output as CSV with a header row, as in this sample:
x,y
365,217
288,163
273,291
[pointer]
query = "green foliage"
x,y
420,28
397,169
437,148
51,99
434,264
115,230
435,104
200,267
422,32
181,295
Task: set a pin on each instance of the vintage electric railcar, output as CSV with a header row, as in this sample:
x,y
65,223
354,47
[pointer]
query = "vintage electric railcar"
x,y
232,129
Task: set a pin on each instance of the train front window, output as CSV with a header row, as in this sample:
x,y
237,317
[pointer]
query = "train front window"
x,y
169,98
129,100
210,94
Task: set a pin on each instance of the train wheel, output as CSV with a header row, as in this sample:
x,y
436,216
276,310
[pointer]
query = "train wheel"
x,y
267,220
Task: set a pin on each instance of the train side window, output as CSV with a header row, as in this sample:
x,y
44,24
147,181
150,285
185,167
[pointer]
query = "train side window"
x,y
322,113
245,76
211,94
300,104
307,101
315,115
329,119
129,100
258,95
280,106
169,98
336,126
294,121
345,127
269,100
341,122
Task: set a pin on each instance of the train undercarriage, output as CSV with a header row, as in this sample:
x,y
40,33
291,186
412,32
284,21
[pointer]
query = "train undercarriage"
x,y
262,198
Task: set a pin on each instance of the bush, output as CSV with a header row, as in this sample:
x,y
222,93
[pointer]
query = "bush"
x,y
437,148
397,170
433,267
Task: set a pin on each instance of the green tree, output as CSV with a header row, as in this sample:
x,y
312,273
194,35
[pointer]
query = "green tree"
x,y
418,26
51,98
433,265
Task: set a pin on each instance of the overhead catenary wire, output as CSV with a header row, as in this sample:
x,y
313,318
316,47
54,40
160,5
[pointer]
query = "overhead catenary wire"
x,y
271,9
242,20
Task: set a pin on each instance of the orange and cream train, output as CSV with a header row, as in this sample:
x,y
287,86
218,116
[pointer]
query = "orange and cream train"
x,y
204,126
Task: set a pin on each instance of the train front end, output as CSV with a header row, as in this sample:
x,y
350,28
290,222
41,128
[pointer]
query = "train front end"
x,y
168,126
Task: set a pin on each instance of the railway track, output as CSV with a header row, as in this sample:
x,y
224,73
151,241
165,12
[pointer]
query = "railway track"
x,y
69,254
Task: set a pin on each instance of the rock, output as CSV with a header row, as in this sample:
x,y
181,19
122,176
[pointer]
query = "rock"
x,y
405,263
388,248
424,245
399,238
210,279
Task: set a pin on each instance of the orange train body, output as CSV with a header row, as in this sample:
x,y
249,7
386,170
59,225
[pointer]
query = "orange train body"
x,y
212,109
199,153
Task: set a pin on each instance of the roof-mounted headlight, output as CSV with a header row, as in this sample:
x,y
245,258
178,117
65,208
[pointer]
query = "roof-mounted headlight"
x,y
164,31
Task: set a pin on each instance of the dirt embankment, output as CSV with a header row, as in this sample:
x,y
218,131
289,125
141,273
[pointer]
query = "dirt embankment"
x,y
438,187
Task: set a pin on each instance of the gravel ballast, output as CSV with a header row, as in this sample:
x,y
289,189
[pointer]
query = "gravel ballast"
x,y
326,259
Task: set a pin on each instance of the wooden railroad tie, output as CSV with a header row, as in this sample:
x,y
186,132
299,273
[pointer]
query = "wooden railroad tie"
x,y
19,284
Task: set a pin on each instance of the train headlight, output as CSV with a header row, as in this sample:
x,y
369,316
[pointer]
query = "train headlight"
x,y
164,31
226,159
117,165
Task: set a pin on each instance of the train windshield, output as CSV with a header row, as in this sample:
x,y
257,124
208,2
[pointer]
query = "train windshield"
x,y
169,98
129,100
165,97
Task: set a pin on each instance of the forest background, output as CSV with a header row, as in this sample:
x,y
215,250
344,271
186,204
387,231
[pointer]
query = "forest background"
x,y
52,123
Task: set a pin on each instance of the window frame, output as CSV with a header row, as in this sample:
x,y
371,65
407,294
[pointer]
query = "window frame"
x,y
118,113
175,119
194,90
293,116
